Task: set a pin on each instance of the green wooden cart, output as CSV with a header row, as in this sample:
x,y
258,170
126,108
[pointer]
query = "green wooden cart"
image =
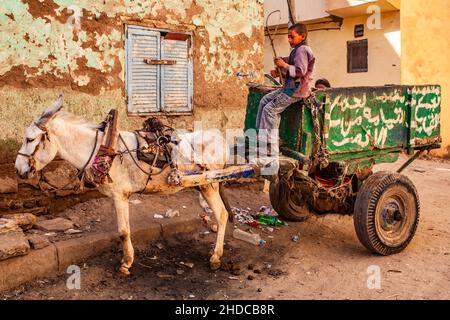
x,y
329,146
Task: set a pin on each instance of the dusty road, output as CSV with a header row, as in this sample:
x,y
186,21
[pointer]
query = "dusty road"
x,y
327,263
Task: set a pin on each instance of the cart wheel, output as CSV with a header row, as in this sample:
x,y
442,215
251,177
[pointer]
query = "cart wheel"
x,y
386,213
288,202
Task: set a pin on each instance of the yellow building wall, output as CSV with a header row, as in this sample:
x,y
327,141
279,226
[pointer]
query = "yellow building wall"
x,y
330,49
426,50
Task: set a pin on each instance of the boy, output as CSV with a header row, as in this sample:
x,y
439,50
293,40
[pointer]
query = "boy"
x,y
322,84
297,71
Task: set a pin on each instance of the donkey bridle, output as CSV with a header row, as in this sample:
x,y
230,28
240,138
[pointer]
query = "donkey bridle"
x,y
79,175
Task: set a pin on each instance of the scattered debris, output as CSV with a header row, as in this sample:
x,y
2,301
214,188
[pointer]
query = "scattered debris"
x,y
266,211
57,224
248,237
164,276
233,278
191,296
295,238
135,202
73,231
158,216
184,207
159,246
269,220
180,272
243,216
419,170
50,234
204,204
38,241
172,213
190,265
144,265
394,271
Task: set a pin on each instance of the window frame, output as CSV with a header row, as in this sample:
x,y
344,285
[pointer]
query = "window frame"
x,y
350,59
160,72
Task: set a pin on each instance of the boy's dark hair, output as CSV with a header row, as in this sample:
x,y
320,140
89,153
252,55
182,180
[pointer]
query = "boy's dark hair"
x,y
324,82
300,28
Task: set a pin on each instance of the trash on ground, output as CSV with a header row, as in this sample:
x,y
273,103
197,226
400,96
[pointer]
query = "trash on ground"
x,y
295,238
248,237
158,216
204,204
73,231
191,296
170,213
184,207
233,278
244,216
266,211
50,234
135,202
180,272
269,220
164,276
159,246
190,265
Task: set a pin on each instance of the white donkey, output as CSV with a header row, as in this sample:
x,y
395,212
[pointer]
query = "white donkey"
x,y
61,133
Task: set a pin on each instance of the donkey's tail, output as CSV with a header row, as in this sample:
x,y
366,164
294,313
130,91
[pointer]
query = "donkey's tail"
x,y
225,201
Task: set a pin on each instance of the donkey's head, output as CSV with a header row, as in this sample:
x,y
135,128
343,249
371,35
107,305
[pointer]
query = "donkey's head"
x,y
38,149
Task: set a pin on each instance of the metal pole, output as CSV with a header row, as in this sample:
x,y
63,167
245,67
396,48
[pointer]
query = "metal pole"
x,y
272,44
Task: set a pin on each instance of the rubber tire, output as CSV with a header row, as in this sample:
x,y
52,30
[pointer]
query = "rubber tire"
x,y
365,208
281,200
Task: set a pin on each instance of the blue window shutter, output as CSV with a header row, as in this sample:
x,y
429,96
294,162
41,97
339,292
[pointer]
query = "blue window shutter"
x,y
143,85
176,79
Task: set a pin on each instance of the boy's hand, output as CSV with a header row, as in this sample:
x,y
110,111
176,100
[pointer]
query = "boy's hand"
x,y
281,63
274,73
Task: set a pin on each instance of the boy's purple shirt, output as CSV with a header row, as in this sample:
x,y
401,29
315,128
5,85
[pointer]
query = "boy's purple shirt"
x,y
301,66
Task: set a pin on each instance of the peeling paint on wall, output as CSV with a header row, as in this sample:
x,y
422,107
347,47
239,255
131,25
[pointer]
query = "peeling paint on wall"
x,y
76,40
77,46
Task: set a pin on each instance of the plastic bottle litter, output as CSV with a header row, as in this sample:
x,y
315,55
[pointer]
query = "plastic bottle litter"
x,y
269,220
248,237
158,216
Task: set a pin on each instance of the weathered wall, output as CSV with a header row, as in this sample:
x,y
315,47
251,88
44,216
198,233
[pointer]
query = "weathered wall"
x,y
47,50
330,49
426,49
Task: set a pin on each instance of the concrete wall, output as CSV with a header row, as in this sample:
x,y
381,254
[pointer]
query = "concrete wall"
x,y
77,47
330,48
426,50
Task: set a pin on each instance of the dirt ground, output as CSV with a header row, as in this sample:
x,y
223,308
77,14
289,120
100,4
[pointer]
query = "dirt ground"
x,y
327,262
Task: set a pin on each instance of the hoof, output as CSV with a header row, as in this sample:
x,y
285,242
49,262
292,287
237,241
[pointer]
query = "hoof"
x,y
214,265
124,271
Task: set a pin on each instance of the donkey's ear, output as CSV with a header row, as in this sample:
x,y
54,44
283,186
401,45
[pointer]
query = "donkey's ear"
x,y
51,111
